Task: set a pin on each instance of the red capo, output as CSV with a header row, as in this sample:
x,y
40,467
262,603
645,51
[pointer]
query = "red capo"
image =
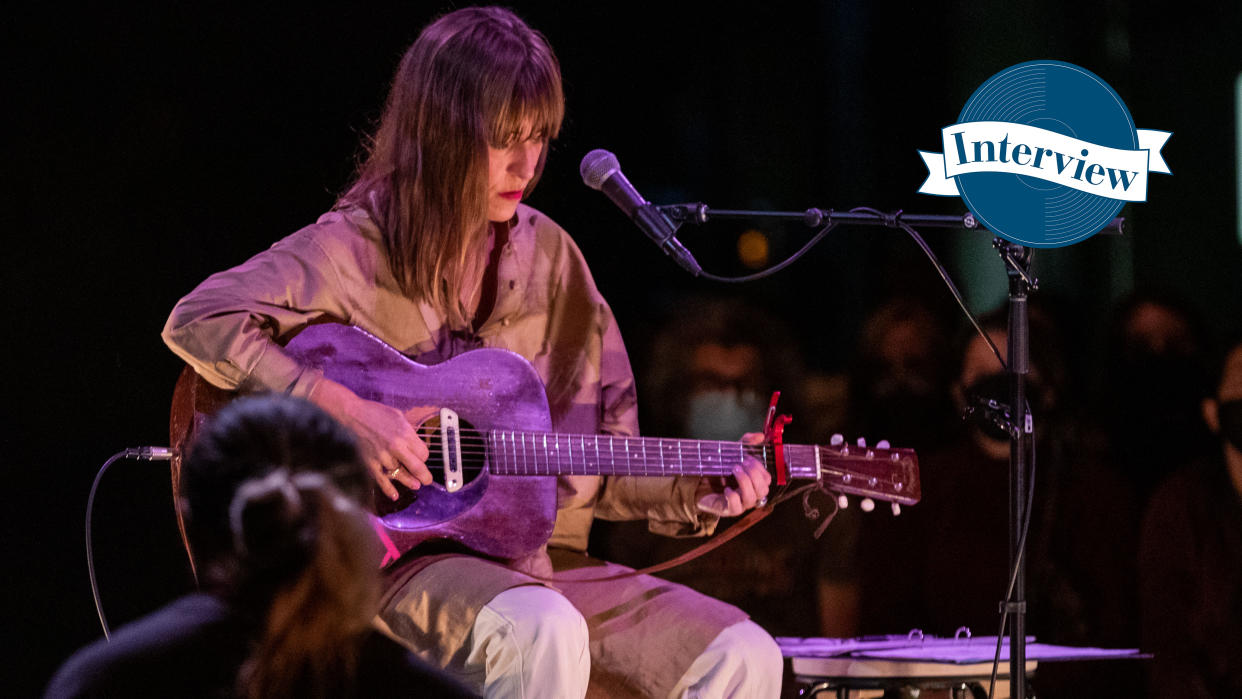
x,y
773,433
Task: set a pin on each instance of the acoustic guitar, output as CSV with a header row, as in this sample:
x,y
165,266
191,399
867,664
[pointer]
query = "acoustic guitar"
x,y
496,459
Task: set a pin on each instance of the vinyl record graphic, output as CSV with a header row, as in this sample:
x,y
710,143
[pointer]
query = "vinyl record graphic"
x,y
1059,97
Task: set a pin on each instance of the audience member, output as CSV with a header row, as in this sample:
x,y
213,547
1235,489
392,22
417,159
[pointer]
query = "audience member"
x,y
1155,381
1191,559
898,384
272,495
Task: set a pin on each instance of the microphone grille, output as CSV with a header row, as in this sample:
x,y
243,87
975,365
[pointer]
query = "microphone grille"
x,y
597,166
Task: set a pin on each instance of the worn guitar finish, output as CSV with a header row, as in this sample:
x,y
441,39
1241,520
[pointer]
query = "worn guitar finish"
x,y
507,505
502,516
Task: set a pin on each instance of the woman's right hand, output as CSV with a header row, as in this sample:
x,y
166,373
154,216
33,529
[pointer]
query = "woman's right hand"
x,y
389,444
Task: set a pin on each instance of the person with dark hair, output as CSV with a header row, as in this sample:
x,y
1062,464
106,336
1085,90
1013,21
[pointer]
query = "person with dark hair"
x,y
1155,380
431,251
273,497
1190,559
900,375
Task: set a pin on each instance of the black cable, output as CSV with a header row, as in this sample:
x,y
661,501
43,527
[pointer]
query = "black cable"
x,y
1017,563
779,266
140,453
892,221
944,274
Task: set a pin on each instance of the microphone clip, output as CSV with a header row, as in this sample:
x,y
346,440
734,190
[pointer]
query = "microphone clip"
x,y
679,214
652,219
990,415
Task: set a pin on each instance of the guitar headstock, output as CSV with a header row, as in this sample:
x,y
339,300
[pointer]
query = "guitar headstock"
x,y
879,472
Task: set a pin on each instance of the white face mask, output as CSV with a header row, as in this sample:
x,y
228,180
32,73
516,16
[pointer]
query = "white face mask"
x,y
724,414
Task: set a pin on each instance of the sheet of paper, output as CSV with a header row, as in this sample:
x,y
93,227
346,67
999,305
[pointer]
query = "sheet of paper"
x,y
983,649
942,650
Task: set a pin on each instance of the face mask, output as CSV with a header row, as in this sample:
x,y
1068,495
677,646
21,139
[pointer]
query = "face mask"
x,y
724,415
1230,414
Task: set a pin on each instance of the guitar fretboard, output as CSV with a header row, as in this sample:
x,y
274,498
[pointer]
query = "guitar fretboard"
x,y
517,453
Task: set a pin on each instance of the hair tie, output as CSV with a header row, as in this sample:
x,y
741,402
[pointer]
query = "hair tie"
x,y
275,488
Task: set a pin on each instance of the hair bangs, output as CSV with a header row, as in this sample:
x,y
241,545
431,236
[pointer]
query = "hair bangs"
x,y
534,106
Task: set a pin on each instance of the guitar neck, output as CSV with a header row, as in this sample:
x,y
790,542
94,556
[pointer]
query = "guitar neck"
x,y
518,453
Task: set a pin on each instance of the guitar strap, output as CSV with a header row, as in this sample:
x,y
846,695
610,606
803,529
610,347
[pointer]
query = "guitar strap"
x,y
711,544
754,517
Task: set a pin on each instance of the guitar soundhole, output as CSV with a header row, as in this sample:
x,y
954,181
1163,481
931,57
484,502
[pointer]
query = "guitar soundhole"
x,y
472,458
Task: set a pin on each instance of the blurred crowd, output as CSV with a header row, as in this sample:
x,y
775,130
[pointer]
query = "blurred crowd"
x,y
1136,525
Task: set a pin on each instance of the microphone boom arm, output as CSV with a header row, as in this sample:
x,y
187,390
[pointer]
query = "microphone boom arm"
x,y
699,213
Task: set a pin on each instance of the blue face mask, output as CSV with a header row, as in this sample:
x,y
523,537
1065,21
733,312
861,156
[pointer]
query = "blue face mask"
x,y
724,414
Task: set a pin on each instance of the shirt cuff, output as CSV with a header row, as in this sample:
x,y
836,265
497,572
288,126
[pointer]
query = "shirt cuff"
x,y
276,371
692,522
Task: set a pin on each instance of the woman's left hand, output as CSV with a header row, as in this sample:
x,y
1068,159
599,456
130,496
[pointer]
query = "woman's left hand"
x,y
718,497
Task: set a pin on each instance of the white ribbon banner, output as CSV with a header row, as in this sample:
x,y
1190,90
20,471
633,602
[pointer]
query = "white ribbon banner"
x,y
998,146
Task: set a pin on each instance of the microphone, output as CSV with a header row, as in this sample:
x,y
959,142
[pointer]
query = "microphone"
x,y
600,170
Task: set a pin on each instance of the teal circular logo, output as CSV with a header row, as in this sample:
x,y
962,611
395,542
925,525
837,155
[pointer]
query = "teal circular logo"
x,y
1045,154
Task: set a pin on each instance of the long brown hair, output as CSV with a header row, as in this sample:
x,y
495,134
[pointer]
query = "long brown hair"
x,y
473,78
305,540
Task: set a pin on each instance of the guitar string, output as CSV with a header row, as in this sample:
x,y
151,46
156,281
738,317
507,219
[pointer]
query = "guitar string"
x,y
481,447
485,442
505,455
569,467
662,452
649,445
644,467
480,444
484,439
550,454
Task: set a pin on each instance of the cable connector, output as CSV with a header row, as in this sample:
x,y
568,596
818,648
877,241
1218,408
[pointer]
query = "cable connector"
x,y
143,454
149,453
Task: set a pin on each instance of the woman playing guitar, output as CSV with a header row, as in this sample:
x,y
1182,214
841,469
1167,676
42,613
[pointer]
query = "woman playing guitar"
x,y
431,251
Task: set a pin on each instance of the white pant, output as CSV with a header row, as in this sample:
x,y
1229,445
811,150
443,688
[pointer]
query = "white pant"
x,y
530,643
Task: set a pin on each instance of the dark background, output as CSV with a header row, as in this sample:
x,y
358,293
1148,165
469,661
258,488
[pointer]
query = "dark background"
x,y
157,145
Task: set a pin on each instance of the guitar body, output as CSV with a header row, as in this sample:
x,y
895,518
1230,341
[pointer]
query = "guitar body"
x,y
501,516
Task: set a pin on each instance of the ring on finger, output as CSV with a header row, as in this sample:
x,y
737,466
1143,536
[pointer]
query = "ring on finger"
x,y
394,473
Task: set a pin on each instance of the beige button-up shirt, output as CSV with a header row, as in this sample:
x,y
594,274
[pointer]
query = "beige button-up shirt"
x,y
232,326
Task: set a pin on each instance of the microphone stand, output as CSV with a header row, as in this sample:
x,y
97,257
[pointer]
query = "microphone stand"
x,y
1020,425
1021,433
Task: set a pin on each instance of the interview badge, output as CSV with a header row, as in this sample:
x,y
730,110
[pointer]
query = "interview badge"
x,y
1045,154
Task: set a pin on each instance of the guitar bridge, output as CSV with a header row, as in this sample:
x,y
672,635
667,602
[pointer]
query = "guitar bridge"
x,y
450,447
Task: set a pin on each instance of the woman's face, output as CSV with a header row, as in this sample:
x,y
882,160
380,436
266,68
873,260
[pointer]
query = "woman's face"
x,y
509,170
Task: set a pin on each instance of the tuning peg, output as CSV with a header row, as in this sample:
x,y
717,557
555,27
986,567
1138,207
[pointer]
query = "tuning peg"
x,y
843,502
837,440
862,441
866,505
896,509
882,444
